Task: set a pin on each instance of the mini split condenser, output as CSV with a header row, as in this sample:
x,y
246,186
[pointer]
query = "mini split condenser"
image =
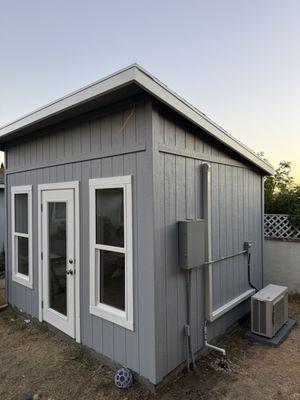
x,y
269,310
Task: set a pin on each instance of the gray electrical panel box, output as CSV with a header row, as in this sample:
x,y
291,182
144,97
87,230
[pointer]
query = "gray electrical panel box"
x,y
191,243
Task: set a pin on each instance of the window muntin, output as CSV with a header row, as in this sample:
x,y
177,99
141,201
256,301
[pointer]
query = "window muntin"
x,y
111,294
21,235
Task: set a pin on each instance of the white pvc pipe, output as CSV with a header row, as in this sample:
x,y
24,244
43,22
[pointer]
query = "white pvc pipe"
x,y
219,349
210,346
208,269
208,249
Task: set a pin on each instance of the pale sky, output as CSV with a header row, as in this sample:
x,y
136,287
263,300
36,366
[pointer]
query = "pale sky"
x,y
238,61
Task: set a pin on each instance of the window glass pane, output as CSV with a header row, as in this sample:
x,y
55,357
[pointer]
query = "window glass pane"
x,y
110,217
21,212
57,218
22,255
112,279
58,211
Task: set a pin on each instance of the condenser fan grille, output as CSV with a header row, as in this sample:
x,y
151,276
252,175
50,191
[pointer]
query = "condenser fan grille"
x,y
269,310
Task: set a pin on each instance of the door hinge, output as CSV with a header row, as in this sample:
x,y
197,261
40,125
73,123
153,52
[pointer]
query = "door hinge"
x,y
42,304
42,207
42,256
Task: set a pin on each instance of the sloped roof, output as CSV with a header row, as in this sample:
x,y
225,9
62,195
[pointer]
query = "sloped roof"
x,y
132,79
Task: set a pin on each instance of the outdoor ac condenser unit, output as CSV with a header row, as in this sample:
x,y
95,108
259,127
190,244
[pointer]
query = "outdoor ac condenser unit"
x,y
269,310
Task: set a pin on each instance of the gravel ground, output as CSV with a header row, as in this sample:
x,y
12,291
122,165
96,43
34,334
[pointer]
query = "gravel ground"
x,y
35,361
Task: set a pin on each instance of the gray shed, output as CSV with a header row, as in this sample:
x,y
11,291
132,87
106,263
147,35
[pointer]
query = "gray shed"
x,y
97,183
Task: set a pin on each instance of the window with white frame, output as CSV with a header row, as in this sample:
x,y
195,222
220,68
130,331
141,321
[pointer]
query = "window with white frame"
x,y
111,288
21,235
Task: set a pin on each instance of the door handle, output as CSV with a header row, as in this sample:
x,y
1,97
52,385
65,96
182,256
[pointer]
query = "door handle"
x,y
69,272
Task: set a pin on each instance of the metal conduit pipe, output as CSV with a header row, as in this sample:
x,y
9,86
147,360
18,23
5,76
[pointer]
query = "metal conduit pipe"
x,y
189,346
187,327
226,257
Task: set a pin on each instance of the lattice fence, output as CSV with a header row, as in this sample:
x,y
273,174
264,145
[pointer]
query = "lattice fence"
x,y
278,226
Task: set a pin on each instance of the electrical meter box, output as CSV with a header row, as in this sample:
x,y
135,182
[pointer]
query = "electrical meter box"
x,y
191,244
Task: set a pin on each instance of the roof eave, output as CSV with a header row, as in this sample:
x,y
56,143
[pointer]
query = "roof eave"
x,y
164,94
99,88
135,73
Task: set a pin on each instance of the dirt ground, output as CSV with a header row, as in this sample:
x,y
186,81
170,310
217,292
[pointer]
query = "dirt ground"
x,y
36,361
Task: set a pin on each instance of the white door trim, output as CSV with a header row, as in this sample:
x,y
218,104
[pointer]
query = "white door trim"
x,y
56,186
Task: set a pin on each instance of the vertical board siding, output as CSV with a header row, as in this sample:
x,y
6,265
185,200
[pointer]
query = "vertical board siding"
x,y
134,349
101,134
236,217
2,220
166,188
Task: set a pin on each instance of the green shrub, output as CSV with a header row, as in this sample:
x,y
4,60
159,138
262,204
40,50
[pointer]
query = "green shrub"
x,y
282,194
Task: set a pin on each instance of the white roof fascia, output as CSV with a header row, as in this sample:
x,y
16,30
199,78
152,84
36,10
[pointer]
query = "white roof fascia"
x,y
87,93
174,101
135,73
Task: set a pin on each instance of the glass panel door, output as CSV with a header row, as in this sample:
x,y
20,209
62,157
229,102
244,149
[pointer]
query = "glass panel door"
x,y
58,236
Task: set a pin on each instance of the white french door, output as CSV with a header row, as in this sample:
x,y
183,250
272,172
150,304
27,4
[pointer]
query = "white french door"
x,y
58,258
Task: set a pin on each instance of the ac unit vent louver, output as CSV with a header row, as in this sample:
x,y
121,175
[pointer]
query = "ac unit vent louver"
x,y
269,310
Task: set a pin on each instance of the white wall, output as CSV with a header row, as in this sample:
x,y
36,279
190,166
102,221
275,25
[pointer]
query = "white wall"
x,y
282,263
